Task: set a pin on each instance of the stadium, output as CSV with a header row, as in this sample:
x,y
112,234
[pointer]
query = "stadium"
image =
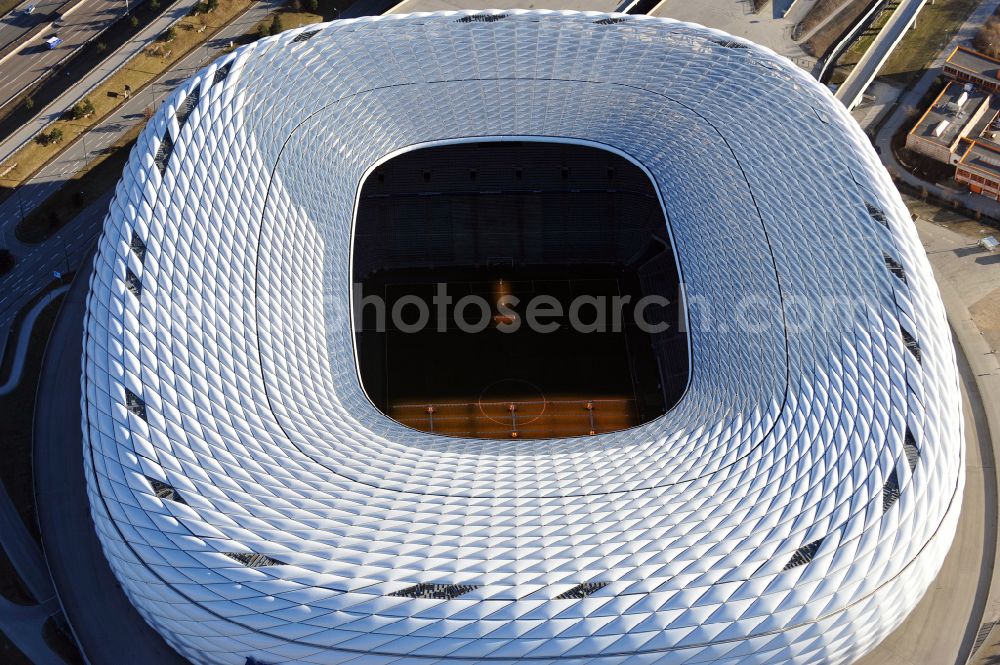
x,y
771,472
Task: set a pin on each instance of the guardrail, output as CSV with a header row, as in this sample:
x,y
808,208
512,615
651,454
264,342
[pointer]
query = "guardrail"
x,y
46,109
838,50
53,17
874,58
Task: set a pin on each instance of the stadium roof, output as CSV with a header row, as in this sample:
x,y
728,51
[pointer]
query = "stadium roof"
x,y
793,506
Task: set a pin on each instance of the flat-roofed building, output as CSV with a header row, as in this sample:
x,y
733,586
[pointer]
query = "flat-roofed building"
x,y
967,65
952,116
979,168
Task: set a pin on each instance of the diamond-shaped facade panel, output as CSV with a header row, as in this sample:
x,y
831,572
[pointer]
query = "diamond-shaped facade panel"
x,y
219,361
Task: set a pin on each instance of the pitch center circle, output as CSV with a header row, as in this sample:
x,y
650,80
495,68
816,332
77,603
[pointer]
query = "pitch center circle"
x,y
506,399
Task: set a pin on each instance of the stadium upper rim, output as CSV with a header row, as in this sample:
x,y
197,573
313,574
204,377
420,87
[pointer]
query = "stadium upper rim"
x,y
792,507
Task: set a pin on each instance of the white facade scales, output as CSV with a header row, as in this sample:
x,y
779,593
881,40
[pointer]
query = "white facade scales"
x,y
793,507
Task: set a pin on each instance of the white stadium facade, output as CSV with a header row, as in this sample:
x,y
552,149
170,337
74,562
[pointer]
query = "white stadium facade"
x,y
792,506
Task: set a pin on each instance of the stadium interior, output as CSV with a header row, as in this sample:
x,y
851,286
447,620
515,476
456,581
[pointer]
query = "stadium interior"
x,y
564,226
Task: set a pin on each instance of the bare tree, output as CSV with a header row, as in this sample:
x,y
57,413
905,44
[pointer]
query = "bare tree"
x,y
987,40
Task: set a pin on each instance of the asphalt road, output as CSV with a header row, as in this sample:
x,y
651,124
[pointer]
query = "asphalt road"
x,y
17,23
35,59
943,626
65,250
76,90
107,627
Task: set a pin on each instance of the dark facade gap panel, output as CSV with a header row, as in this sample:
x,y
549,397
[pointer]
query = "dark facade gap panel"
x,y
221,73
803,555
135,404
304,36
894,266
187,106
138,247
254,559
482,18
582,590
890,491
162,155
877,214
164,491
612,20
435,591
984,632
133,283
911,344
728,43
911,450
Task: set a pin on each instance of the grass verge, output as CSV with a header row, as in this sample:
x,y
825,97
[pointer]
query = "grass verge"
x,y
102,173
23,108
190,32
288,19
853,54
935,27
817,14
74,195
7,5
835,29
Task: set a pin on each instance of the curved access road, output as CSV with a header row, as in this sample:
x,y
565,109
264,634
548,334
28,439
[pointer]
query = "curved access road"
x,y
106,626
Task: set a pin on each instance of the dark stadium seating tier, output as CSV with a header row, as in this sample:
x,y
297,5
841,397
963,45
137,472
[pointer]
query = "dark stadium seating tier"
x,y
548,219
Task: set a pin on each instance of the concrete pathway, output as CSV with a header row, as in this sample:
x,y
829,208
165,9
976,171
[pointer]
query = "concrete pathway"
x,y
81,152
798,10
22,626
65,250
34,61
970,277
806,36
943,627
734,17
21,350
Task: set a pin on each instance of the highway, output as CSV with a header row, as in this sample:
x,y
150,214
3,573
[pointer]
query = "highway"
x,y
67,248
78,565
17,23
35,59
79,89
